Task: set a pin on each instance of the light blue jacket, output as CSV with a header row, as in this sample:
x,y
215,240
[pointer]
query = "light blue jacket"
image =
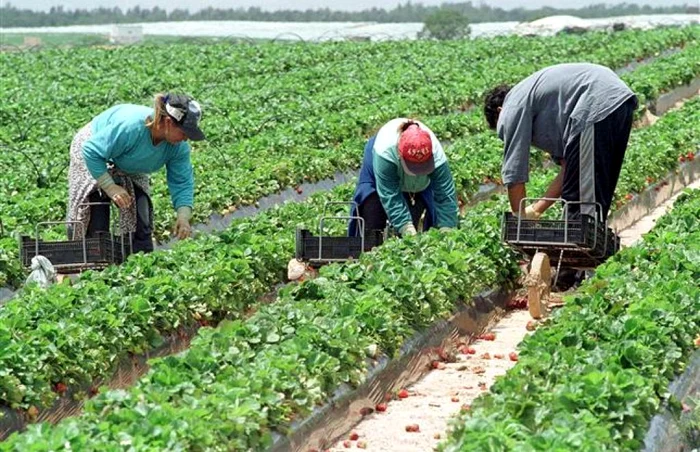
x,y
120,135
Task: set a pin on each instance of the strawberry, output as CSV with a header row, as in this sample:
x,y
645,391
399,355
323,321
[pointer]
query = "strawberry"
x,y
354,436
513,356
413,428
347,444
361,445
381,407
402,394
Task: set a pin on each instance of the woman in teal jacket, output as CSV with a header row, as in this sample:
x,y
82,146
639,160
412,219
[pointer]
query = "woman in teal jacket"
x,y
405,174
112,156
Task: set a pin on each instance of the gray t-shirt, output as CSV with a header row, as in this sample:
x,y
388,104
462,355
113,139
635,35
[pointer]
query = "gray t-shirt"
x,y
552,107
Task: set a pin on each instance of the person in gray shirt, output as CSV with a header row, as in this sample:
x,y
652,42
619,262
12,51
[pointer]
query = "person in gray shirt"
x,y
581,114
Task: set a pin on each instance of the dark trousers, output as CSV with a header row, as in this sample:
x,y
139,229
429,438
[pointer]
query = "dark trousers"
x,y
372,211
594,160
142,239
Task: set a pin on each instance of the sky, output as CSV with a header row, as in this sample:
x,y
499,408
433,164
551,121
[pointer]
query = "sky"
x,y
347,5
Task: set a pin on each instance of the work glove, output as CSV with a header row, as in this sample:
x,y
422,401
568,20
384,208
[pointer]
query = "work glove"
x,y
407,229
531,213
182,225
117,194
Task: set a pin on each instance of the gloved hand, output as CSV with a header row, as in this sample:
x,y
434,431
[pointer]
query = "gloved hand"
x,y
408,229
182,225
531,213
117,194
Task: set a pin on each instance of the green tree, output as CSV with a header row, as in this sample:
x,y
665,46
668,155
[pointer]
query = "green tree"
x,y
445,24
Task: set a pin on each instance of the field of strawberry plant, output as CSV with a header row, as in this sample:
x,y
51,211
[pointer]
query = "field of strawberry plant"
x,y
60,337
279,114
599,371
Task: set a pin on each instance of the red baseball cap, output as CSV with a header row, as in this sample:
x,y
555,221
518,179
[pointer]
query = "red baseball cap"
x,y
416,151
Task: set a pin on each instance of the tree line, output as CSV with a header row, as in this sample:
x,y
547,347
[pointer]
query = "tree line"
x,y
11,16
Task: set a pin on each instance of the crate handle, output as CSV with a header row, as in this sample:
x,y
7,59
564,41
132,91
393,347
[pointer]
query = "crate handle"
x,y
353,204
360,221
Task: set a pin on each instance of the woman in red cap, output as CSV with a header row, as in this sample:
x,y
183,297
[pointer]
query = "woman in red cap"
x,y
405,174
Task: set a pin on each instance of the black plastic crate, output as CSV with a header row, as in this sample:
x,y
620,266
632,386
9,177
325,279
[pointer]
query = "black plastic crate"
x,y
334,248
586,243
100,251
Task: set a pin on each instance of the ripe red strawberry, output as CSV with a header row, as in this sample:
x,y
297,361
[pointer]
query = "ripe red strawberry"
x,y
381,407
402,394
354,436
361,445
413,428
347,444
513,356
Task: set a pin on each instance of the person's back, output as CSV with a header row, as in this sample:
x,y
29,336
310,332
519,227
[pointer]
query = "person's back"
x,y
561,100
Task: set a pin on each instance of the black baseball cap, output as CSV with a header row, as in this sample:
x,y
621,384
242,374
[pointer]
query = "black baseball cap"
x,y
186,113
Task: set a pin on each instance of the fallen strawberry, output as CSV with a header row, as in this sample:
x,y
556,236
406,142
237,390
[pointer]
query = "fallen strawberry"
x,y
381,407
479,370
488,336
354,436
413,428
402,394
513,356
